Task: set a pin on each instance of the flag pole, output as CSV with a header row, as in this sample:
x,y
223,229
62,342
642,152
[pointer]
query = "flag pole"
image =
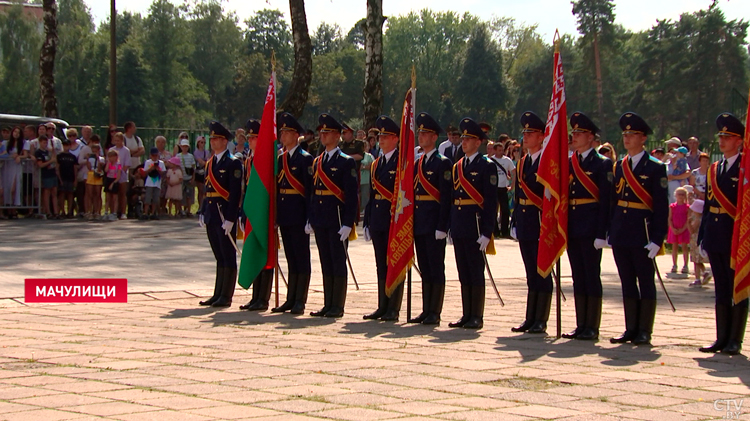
x,y
408,275
272,202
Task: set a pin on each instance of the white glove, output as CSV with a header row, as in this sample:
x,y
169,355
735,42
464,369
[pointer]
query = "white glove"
x,y
653,249
367,234
600,244
449,239
201,221
440,235
227,226
513,234
308,229
702,252
344,233
483,241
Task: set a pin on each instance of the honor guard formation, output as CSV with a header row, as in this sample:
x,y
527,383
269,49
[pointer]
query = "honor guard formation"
x,y
623,204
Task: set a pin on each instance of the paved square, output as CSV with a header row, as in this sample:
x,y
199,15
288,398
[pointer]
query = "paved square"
x,y
162,357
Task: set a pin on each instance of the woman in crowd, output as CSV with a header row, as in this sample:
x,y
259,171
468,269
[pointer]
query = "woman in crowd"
x,y
201,156
698,176
12,170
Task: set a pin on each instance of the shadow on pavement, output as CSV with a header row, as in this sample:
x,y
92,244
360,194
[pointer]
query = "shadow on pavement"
x,y
725,366
626,355
453,335
181,313
530,346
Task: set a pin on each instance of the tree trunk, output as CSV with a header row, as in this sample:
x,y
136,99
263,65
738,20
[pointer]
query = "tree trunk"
x,y
599,90
373,90
295,100
47,59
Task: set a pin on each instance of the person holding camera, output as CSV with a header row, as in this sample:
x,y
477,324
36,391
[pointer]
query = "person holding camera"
x,y
187,165
153,171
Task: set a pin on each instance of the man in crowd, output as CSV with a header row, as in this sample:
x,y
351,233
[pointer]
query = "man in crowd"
x,y
452,148
638,228
137,150
505,171
715,236
694,154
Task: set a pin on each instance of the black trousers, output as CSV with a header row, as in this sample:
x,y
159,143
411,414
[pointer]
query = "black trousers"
x,y
431,258
504,208
331,251
470,261
585,263
535,281
723,279
296,248
380,244
636,272
221,244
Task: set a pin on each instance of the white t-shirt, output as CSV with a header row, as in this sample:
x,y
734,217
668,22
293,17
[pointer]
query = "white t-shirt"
x,y
133,143
83,154
186,161
153,181
503,175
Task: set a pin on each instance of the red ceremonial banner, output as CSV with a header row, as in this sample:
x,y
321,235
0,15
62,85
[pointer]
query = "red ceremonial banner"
x,y
401,235
553,174
741,238
59,290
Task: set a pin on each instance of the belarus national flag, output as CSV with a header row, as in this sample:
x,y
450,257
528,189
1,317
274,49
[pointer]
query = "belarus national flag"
x,y
741,238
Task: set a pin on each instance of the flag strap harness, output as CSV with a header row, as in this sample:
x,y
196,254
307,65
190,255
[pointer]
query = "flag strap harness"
x,y
327,182
713,185
215,184
379,187
535,199
639,191
584,178
297,186
431,190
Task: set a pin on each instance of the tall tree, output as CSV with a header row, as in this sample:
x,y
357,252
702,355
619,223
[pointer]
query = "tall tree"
x,y
373,90
296,96
73,68
595,18
47,59
327,39
20,41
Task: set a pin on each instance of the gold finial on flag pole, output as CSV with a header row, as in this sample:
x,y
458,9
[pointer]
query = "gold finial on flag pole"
x,y
556,41
413,77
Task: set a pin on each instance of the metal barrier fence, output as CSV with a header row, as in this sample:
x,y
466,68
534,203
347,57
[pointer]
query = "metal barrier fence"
x,y
21,181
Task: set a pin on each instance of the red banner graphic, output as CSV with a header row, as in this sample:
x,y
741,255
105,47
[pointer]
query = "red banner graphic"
x,y
60,290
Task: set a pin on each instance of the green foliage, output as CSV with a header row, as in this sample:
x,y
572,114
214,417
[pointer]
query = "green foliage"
x,y
20,41
268,31
327,39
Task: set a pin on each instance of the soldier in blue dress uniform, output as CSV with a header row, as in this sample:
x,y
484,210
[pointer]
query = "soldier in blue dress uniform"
x,y
715,236
472,221
263,282
433,188
638,228
377,222
525,226
294,186
588,221
218,213
333,210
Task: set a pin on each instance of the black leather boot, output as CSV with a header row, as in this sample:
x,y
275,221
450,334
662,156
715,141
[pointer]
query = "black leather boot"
x,y
580,302
476,321
394,305
631,309
256,293
264,284
339,297
723,324
645,322
436,305
217,288
327,297
737,330
227,288
291,295
543,304
426,292
465,305
382,302
300,299
593,319
530,313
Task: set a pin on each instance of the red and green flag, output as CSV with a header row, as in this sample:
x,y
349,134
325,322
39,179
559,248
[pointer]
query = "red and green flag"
x,y
740,257
259,251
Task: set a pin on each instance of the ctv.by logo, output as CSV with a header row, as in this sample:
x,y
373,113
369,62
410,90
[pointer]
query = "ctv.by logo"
x,y
732,408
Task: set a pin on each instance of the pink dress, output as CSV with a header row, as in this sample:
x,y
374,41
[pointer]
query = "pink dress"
x,y
679,220
174,192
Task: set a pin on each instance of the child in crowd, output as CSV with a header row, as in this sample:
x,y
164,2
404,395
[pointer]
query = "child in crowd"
x,y
702,276
67,163
680,163
45,159
94,181
187,166
112,173
153,170
174,186
678,234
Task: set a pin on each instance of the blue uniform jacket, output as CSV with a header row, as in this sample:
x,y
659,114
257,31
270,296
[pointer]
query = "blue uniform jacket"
x,y
482,174
429,215
716,230
291,207
627,227
590,220
525,217
325,208
378,210
228,174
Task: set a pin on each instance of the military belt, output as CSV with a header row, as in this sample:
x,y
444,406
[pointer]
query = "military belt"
x,y
632,205
464,202
289,191
526,202
212,194
576,202
323,193
717,210
424,198
379,196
